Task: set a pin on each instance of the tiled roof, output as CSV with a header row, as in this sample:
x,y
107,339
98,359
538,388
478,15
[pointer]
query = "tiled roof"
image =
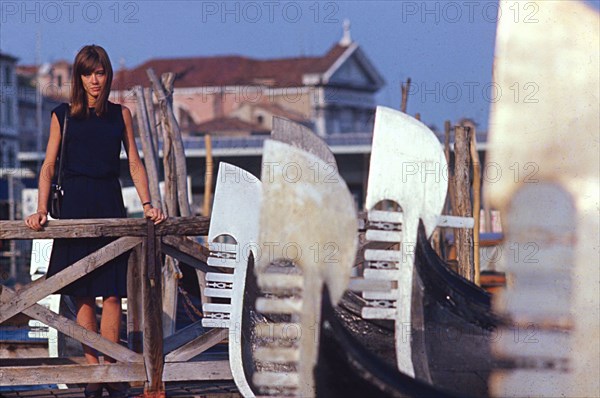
x,y
226,124
8,57
229,70
26,70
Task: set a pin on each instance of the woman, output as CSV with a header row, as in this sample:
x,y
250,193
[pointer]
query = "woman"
x,y
95,130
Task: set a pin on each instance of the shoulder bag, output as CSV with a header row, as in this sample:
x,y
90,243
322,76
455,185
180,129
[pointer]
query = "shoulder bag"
x,y
56,191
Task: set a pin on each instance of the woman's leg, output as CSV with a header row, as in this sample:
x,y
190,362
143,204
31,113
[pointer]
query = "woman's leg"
x,y
110,323
86,317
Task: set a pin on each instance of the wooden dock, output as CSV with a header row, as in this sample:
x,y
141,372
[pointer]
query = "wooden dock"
x,y
151,359
215,389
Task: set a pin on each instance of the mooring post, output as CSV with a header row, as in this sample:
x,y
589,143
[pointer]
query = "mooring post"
x,y
462,173
152,304
134,301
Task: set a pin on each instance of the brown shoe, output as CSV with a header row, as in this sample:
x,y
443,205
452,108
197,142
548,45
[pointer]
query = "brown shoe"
x,y
97,393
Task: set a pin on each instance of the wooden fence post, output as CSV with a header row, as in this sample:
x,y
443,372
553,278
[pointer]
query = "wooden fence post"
x,y
462,169
152,304
134,301
449,206
405,91
476,201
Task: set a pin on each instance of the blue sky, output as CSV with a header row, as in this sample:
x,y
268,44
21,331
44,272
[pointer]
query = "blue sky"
x,y
445,47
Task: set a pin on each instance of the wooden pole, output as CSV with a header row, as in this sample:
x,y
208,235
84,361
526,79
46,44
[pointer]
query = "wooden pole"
x,y
405,90
476,201
164,93
464,236
149,144
449,206
152,125
172,127
147,147
208,179
152,306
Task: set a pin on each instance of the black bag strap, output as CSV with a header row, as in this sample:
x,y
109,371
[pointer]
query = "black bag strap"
x,y
62,147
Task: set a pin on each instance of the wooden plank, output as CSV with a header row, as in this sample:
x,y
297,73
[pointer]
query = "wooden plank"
x,y
204,370
21,349
152,308
63,374
186,248
182,336
79,333
34,292
112,227
44,361
171,276
197,346
462,167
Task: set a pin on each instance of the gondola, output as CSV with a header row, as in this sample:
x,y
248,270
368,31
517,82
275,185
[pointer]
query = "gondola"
x,y
451,331
346,368
452,326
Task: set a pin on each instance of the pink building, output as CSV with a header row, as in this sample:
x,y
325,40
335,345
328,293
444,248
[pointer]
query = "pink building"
x,y
236,95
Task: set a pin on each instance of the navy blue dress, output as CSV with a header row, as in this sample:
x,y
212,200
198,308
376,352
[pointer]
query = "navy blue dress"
x,y
91,190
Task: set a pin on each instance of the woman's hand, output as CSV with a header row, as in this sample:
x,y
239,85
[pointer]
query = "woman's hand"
x,y
36,220
154,214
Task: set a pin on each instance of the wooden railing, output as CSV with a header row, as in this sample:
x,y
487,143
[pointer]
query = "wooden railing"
x,y
149,357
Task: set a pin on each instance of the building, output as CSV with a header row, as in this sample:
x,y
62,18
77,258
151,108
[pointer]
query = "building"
x,y
9,142
34,106
333,93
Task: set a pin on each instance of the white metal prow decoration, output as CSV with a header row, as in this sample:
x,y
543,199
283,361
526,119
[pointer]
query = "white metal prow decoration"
x,y
310,221
408,168
302,137
546,146
236,214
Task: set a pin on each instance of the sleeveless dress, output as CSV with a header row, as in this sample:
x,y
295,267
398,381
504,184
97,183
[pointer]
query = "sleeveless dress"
x,y
91,190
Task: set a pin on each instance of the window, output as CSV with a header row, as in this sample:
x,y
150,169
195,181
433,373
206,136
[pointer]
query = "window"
x,y
11,158
8,78
346,121
9,112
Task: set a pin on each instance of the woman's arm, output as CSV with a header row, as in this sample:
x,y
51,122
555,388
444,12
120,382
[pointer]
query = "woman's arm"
x,y
137,169
39,218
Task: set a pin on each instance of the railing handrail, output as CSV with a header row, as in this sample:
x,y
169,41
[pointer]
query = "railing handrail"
x,y
105,227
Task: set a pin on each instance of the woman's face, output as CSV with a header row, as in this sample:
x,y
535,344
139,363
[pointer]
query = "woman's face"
x,y
94,83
